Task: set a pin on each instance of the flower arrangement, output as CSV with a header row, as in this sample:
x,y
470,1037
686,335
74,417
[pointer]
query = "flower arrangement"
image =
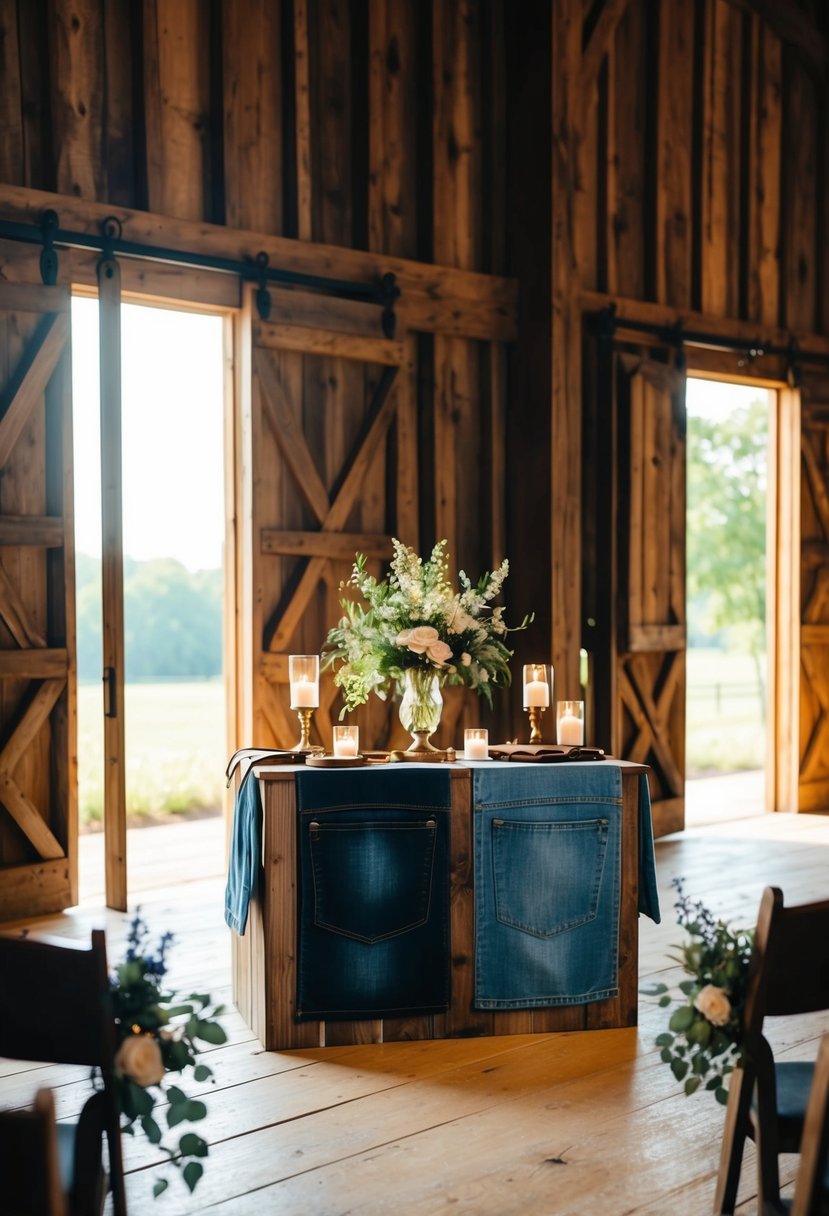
x,y
157,1037
415,619
703,1041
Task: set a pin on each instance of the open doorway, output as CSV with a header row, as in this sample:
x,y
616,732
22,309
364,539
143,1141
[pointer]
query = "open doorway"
x,y
728,461
173,546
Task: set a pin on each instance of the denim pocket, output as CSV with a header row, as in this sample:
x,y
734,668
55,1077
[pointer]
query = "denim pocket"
x,y
548,874
372,879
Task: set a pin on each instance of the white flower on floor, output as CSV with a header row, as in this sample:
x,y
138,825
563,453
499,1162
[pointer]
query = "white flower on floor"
x,y
713,1003
139,1058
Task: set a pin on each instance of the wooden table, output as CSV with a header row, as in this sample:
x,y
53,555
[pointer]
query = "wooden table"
x,y
264,959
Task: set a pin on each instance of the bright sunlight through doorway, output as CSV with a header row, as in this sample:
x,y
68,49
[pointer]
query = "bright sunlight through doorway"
x,y
727,674
173,534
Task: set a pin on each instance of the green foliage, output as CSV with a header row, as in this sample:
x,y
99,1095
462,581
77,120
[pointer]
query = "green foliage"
x,y
172,620
170,1031
727,481
705,1029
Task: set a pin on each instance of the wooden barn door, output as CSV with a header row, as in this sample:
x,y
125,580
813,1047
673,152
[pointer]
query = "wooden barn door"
x,y
38,762
813,766
634,591
327,468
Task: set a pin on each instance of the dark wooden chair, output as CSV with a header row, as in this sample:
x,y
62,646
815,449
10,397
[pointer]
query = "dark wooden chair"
x,y
788,974
29,1168
811,1196
55,1007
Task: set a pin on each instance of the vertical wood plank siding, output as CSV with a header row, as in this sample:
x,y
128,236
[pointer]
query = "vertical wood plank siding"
x,y
688,169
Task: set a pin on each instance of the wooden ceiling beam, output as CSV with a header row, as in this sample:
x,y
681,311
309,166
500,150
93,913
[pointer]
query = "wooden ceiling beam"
x,y
435,299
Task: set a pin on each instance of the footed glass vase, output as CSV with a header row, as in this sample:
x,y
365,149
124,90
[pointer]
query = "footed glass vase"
x,y
421,707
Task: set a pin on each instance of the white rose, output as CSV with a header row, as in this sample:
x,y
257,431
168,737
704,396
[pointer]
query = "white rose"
x,y
713,1004
418,639
439,652
139,1058
466,659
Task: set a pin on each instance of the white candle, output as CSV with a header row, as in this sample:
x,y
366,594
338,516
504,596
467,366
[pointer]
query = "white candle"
x,y
346,741
345,747
304,694
476,749
570,729
536,692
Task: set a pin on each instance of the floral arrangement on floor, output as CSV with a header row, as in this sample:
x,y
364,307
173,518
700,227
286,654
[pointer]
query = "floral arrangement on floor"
x,y
703,1041
158,1036
415,619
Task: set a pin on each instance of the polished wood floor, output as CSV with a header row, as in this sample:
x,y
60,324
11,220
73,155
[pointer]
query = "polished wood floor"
x,y
583,1123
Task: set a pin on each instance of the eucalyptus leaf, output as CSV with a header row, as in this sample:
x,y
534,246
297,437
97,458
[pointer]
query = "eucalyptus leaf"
x,y
202,1073
191,1174
682,1019
700,1033
195,1110
679,1068
722,1096
151,1129
653,989
159,1187
692,1084
664,1040
175,1095
191,1145
666,1055
664,1001
210,1032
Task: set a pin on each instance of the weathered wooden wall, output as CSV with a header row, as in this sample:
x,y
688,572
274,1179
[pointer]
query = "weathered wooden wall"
x,y
665,151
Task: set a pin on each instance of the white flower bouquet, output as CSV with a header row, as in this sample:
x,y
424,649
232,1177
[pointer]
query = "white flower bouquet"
x,y
158,1036
704,1036
416,619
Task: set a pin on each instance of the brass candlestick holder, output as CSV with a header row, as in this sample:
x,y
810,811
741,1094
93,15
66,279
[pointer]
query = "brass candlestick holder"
x,y
535,712
305,746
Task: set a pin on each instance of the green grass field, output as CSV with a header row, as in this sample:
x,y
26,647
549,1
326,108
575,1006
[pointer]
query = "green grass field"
x,y
175,748
725,730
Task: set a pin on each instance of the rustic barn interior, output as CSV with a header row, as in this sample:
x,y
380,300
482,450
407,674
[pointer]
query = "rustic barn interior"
x,y
467,253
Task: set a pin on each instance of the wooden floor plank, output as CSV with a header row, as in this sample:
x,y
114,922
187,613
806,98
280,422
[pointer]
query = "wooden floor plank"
x,y
585,1122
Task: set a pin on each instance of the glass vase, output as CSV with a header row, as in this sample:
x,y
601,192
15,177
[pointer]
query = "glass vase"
x,y
421,706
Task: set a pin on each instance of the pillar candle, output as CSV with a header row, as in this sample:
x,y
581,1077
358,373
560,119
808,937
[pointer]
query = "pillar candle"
x,y
304,694
570,729
537,692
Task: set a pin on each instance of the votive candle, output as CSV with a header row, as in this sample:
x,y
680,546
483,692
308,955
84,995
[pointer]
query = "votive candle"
x,y
476,743
346,741
570,722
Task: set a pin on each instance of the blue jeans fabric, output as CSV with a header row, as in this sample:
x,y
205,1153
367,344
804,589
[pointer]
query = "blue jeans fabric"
x,y
547,845
245,853
374,893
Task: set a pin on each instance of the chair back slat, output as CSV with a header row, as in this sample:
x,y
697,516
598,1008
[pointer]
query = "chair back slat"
x,y
55,1006
795,972
54,1002
811,1193
29,1170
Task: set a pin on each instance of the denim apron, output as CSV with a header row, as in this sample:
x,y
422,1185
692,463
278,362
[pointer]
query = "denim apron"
x,y
547,880
374,892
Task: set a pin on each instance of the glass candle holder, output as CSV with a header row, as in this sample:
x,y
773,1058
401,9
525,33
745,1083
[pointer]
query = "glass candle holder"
x,y
476,743
304,675
346,741
537,683
570,722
